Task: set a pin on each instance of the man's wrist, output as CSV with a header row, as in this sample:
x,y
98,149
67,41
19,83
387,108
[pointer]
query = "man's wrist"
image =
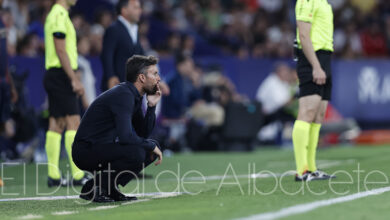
x,y
150,105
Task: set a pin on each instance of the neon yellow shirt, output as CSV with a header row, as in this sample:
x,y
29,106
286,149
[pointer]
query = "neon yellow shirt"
x,y
319,13
58,21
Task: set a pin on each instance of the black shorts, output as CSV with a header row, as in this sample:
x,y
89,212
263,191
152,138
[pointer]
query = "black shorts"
x,y
305,75
62,100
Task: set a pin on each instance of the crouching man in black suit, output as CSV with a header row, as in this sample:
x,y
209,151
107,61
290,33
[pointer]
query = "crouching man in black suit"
x,y
111,141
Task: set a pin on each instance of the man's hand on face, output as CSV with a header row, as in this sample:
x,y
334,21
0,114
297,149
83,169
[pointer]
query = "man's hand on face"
x,y
154,99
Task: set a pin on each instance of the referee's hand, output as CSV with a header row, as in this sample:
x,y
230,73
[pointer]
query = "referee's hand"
x,y
78,87
157,152
319,76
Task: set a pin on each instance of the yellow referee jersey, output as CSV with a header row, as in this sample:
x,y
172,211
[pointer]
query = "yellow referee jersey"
x,y
58,21
319,13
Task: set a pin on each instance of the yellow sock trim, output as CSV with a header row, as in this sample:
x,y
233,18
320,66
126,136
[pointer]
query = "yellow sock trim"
x,y
300,136
312,147
69,138
53,149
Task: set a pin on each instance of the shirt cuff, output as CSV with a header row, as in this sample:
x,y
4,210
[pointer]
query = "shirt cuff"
x,y
151,109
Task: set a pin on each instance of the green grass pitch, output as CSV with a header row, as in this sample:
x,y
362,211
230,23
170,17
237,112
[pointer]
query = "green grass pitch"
x,y
217,186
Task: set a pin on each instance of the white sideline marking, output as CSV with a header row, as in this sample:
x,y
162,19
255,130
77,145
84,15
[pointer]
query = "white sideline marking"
x,y
49,198
30,216
324,164
136,201
41,198
103,207
155,195
303,208
65,213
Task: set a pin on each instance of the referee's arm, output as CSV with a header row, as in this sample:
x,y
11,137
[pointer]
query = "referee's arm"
x,y
59,44
304,29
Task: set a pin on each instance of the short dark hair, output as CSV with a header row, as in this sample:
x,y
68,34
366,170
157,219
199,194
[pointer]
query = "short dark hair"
x,y
181,58
138,64
121,4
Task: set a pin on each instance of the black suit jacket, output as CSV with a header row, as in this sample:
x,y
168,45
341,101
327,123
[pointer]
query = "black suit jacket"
x,y
116,116
117,48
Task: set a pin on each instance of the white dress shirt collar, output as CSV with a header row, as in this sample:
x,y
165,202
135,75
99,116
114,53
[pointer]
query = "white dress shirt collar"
x,y
131,28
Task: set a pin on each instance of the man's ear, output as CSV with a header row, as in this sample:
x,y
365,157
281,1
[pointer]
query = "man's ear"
x,y
142,78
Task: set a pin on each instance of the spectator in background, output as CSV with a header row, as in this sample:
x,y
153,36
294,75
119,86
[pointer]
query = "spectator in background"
x,y
188,45
213,16
37,27
8,92
12,31
102,21
373,40
20,12
243,28
347,41
259,30
185,90
87,78
271,6
144,41
277,96
29,46
171,45
121,42
79,23
277,89
103,18
96,39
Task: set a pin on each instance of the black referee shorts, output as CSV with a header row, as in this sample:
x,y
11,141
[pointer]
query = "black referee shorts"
x,y
62,100
305,74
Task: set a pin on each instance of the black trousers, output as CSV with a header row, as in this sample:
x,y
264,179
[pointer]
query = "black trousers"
x,y
118,164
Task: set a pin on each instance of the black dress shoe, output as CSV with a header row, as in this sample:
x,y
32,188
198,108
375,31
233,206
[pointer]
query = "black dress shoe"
x,y
87,191
56,182
82,181
99,195
119,197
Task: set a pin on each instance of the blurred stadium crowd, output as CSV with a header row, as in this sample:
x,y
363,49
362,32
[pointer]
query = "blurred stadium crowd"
x,y
244,28
203,115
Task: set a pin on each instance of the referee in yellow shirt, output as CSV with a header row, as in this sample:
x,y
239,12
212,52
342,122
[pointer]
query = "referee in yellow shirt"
x,y
315,46
63,88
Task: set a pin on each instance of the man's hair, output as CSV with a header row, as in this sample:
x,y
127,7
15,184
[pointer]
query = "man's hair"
x,y
181,58
138,64
121,4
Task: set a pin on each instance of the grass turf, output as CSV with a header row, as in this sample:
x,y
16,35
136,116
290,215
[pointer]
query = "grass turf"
x,y
218,197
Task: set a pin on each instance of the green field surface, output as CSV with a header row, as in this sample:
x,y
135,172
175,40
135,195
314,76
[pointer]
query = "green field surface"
x,y
217,186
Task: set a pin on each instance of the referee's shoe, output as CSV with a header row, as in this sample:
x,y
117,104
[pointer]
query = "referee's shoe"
x,y
56,182
311,176
64,182
82,181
